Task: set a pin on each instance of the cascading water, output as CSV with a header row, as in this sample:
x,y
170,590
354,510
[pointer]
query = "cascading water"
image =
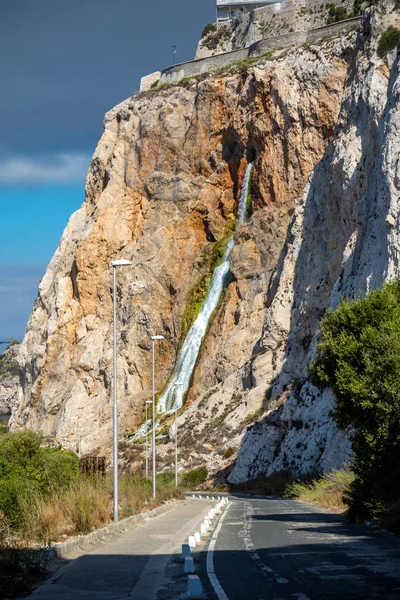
x,y
172,398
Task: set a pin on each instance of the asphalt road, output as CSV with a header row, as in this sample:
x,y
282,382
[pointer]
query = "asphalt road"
x,y
281,549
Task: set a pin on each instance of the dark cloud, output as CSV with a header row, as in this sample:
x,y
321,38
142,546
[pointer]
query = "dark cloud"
x,y
64,64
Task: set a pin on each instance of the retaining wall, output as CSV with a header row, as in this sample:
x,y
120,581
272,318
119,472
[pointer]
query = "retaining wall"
x,y
300,37
203,65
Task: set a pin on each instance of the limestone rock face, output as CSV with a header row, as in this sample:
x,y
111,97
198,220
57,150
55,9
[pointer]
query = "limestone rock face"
x,y
343,240
9,380
321,124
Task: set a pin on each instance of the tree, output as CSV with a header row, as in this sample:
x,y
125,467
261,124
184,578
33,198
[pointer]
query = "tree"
x,y
359,358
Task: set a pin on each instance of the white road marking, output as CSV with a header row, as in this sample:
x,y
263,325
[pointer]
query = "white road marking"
x,y
218,589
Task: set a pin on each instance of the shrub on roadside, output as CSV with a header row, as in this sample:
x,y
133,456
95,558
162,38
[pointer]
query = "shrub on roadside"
x,y
29,471
359,359
194,478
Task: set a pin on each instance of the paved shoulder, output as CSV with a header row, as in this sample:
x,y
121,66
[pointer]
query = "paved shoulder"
x,y
132,565
282,549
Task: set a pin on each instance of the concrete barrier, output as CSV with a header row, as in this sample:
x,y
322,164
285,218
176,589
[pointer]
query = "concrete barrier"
x,y
197,537
192,541
194,586
189,565
186,551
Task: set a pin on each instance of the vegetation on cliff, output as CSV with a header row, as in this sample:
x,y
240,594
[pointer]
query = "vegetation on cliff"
x,y
388,41
359,358
214,255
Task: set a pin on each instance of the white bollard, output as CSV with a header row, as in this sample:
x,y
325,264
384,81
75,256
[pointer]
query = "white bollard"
x,y
203,529
192,541
197,537
199,497
194,586
186,551
208,498
189,565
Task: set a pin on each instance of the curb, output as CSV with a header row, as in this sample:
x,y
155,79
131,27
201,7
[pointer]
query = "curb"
x,y
62,549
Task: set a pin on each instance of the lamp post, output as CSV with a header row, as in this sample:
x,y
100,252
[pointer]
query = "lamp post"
x,y
147,447
115,264
176,439
153,437
173,54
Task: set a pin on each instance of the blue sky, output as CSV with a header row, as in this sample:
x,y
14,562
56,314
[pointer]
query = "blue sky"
x,y
64,64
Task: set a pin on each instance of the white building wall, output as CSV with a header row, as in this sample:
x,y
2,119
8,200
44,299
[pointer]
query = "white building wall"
x,y
227,9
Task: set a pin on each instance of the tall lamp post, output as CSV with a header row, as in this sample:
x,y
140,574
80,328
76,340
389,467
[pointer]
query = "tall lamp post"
x,y
147,446
115,264
176,439
153,437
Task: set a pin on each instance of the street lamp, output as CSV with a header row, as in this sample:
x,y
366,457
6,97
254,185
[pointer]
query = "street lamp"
x,y
147,447
115,264
153,339
176,438
173,54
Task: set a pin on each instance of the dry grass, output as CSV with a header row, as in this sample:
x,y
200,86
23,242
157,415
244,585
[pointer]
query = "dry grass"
x,y
327,491
50,520
87,505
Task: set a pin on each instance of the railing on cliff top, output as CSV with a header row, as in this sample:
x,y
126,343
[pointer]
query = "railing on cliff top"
x,y
173,73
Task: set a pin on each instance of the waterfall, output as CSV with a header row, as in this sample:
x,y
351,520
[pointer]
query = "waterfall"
x,y
172,398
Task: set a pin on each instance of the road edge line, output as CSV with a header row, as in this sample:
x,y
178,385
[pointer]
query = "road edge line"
x,y
218,589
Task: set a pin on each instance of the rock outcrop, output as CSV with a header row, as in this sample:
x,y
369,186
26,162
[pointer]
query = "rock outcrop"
x,y
320,123
9,380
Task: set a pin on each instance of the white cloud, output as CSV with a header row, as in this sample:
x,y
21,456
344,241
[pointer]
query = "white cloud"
x,y
65,168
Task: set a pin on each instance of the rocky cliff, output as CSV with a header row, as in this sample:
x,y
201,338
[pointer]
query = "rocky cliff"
x,y
320,123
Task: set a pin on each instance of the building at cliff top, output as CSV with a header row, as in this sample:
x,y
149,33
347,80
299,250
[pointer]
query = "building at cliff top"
x,y
227,9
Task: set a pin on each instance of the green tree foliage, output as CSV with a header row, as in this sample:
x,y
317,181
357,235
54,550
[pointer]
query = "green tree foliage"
x,y
388,41
29,470
208,29
195,477
359,358
337,13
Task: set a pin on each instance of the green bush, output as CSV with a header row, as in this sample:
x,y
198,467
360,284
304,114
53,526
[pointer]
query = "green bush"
x,y
337,13
388,41
194,477
27,471
359,358
229,452
208,28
